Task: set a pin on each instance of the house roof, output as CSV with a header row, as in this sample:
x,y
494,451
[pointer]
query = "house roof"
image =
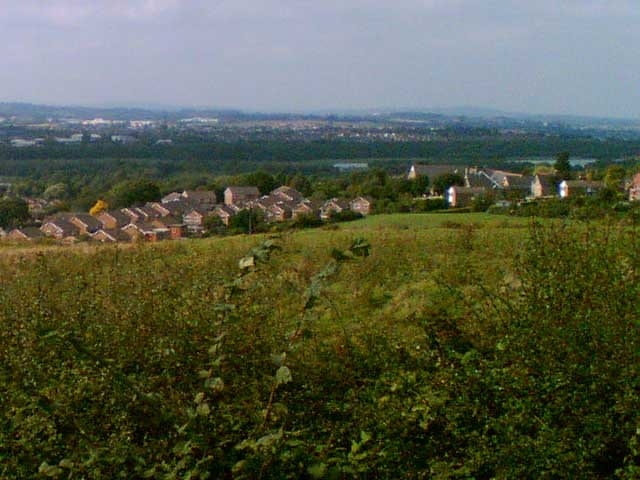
x,y
66,228
520,182
243,190
224,210
120,217
171,197
115,235
91,222
433,171
147,211
343,203
288,193
31,233
200,196
365,197
468,190
481,179
177,207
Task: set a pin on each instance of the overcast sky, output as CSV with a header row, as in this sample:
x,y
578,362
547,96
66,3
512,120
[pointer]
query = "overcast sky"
x,y
536,56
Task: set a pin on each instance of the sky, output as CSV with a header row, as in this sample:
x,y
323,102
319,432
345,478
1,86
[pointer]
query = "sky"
x,y
579,57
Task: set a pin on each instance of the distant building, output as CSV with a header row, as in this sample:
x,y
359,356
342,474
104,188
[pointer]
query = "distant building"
x,y
463,196
123,139
348,167
542,186
569,188
432,171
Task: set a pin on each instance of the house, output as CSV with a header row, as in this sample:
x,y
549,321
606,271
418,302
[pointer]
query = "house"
x,y
171,197
362,205
60,229
174,208
225,213
463,196
432,171
177,231
481,178
578,187
306,207
113,219
502,177
147,212
517,186
133,214
240,195
542,186
109,235
146,231
332,206
634,188
194,218
287,194
160,208
200,197
26,233
277,212
86,223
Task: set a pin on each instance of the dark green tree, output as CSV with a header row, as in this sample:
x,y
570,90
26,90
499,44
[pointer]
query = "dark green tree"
x,y
13,212
246,221
562,166
301,184
446,180
261,179
134,192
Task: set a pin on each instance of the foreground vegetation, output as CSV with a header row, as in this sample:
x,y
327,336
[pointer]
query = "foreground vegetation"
x,y
412,346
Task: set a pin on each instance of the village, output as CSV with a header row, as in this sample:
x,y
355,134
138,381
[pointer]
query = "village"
x,y
192,213
184,214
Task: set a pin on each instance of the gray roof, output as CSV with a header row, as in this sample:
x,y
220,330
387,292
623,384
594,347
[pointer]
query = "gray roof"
x,y
90,221
243,190
433,171
200,196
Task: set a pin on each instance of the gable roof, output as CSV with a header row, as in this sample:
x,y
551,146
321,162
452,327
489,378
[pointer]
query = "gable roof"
x,y
64,227
26,233
89,221
433,171
235,190
200,196
288,193
171,197
119,217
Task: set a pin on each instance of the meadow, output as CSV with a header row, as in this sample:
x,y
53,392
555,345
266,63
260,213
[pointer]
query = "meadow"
x,y
398,346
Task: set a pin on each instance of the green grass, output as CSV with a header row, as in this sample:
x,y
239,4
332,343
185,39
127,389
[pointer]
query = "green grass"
x,y
463,345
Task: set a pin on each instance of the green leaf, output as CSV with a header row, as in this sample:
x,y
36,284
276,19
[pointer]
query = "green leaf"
x,y
215,384
203,409
49,470
283,375
269,439
317,470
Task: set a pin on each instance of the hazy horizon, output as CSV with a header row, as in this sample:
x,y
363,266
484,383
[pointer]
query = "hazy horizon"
x,y
552,58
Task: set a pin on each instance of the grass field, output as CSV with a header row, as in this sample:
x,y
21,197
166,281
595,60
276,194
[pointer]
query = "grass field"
x,y
397,346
